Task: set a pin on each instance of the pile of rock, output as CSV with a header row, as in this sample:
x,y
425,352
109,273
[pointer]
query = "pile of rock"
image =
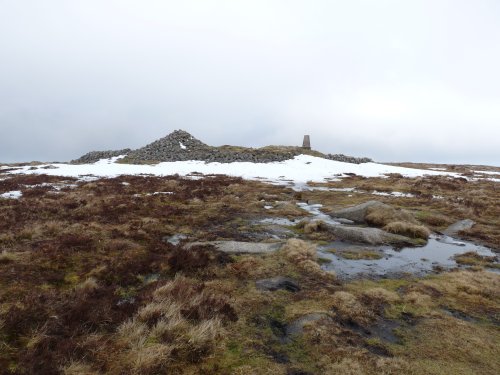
x,y
181,146
177,146
348,159
95,156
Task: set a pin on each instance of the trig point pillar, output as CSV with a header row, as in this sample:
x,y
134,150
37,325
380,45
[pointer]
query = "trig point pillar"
x,y
307,142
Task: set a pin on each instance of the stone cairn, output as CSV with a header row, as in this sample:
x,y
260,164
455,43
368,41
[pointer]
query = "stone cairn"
x,y
94,156
180,146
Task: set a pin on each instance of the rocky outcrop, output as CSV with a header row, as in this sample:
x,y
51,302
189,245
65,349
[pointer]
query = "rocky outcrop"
x,y
357,213
95,156
370,236
237,247
453,229
348,159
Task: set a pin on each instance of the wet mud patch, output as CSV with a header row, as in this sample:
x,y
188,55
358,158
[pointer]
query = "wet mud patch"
x,y
383,329
461,315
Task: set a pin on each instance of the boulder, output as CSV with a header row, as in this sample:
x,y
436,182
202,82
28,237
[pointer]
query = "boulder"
x,y
370,236
238,247
453,229
357,213
344,221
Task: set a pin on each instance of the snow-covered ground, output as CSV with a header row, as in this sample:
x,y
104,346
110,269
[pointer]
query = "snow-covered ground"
x,y
15,194
297,171
488,172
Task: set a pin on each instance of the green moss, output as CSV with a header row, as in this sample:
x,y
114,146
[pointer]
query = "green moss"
x,y
472,258
418,242
324,260
361,254
236,355
72,278
126,293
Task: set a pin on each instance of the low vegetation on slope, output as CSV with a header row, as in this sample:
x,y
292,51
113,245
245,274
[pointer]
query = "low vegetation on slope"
x,y
92,282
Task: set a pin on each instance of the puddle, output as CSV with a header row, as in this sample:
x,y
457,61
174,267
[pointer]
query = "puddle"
x,y
314,209
438,252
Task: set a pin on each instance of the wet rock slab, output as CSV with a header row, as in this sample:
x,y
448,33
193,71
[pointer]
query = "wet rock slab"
x,y
370,236
238,247
357,213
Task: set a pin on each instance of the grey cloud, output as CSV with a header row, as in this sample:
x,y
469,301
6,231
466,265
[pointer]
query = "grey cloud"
x,y
396,81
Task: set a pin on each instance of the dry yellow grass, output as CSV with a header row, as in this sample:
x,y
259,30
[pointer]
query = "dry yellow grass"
x,y
297,251
87,286
381,216
7,257
304,256
78,368
348,308
382,295
159,334
408,229
91,252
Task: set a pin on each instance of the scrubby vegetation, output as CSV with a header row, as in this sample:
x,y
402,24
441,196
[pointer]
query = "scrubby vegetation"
x,y
90,284
472,258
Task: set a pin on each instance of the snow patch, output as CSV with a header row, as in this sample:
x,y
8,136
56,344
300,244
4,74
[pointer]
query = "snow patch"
x,y
488,172
393,194
15,194
182,146
155,193
294,172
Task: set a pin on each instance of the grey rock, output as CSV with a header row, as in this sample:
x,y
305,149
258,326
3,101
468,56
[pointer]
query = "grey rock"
x,y
277,283
370,236
277,231
453,229
238,247
344,221
95,156
348,159
357,213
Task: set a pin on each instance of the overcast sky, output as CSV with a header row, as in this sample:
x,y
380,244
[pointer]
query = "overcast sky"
x,y
394,80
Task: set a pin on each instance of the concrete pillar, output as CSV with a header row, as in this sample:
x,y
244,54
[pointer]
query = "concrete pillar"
x,y
307,142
